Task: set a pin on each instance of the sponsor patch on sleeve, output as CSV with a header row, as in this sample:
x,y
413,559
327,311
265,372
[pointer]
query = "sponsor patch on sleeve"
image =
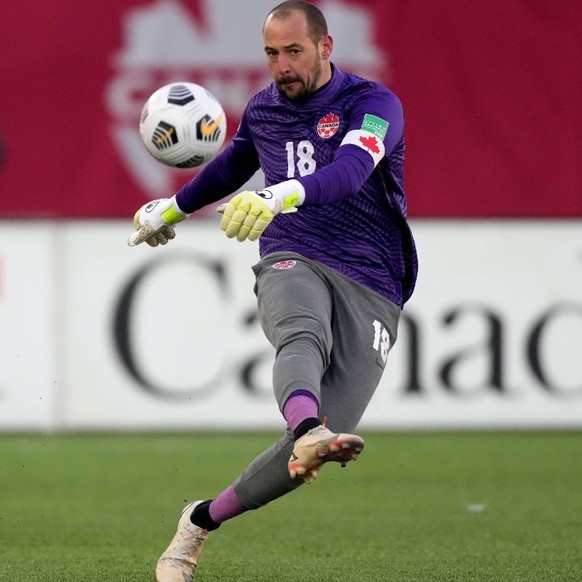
x,y
375,125
366,140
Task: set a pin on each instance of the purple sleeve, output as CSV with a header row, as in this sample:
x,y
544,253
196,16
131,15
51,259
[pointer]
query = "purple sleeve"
x,y
352,165
224,174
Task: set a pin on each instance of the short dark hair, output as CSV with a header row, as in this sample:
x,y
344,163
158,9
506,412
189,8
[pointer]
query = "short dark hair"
x,y
316,23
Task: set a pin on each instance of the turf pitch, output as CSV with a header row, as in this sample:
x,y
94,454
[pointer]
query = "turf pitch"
x,y
415,507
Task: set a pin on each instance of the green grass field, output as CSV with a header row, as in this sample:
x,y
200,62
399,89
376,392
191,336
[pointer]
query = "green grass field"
x,y
415,507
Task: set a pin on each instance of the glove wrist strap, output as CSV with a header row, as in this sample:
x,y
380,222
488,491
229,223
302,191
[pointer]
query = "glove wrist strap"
x,y
291,193
173,213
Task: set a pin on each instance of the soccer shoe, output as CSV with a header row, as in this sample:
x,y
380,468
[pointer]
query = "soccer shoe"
x,y
178,563
319,446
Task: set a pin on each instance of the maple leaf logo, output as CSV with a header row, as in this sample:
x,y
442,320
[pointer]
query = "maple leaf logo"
x,y
370,143
330,118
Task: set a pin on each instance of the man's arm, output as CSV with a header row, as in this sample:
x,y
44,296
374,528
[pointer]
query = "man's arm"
x,y
376,127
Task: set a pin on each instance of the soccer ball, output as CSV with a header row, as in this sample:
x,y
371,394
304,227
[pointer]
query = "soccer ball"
x,y
182,125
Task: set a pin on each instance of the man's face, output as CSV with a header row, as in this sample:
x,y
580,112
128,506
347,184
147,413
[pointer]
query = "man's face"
x,y
298,66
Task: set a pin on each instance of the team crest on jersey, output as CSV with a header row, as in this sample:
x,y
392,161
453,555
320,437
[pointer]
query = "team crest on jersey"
x,y
328,125
282,265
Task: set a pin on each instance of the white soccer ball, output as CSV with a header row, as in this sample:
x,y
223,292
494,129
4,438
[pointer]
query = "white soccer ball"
x,y
182,125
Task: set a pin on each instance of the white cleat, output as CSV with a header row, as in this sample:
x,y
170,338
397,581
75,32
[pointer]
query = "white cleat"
x,y
319,446
178,563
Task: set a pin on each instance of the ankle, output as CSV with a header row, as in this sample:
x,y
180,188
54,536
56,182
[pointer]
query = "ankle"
x,y
305,426
201,517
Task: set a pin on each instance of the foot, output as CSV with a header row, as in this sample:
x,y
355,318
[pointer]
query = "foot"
x,y
319,446
178,563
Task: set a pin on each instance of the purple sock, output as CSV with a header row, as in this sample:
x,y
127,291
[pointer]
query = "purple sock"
x,y
225,506
299,406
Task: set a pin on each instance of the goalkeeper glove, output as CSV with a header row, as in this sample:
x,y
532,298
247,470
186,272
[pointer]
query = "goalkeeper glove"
x,y
154,222
250,212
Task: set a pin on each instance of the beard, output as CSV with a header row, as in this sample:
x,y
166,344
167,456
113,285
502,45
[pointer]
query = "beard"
x,y
295,89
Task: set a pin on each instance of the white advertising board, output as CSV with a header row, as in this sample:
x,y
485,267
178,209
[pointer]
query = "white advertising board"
x,y
161,338
493,334
29,306
102,336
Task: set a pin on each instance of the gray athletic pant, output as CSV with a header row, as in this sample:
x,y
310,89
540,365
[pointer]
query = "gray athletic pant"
x,y
331,336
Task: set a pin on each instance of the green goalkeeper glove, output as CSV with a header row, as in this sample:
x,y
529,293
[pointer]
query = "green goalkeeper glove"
x,y
249,213
154,222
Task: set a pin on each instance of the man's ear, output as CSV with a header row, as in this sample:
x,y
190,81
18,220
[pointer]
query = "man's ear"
x,y
326,46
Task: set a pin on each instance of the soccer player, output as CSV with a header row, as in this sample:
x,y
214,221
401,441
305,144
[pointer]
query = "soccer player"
x,y
337,258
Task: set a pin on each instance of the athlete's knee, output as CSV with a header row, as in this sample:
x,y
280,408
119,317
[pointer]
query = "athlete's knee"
x,y
312,341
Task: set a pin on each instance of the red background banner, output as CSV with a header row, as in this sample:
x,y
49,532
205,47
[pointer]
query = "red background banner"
x,y
492,93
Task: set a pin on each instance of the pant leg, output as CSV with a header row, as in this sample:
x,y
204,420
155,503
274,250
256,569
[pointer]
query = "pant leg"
x,y
267,478
295,311
295,308
364,330
304,316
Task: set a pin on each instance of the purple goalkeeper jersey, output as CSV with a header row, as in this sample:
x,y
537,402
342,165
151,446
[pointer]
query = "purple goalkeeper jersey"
x,y
345,144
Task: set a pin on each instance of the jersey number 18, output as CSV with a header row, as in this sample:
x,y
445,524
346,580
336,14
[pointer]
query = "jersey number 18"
x,y
305,163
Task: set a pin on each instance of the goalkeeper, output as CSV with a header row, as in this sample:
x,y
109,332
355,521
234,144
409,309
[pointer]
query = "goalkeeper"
x,y
337,258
